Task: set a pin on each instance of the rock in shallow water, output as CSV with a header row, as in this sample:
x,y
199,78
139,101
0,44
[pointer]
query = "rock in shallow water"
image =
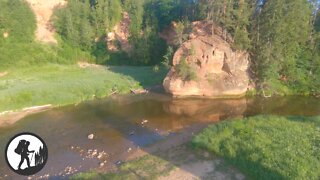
x,y
90,136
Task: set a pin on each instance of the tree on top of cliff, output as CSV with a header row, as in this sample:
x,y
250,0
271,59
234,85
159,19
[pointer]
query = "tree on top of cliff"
x,y
233,16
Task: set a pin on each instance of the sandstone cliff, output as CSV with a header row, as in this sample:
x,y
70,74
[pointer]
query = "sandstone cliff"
x,y
219,70
43,9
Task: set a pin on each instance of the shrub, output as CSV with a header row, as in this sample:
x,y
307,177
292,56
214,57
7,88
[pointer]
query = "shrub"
x,y
185,71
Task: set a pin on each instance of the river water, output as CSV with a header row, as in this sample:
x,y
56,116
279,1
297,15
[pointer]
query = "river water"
x,y
123,124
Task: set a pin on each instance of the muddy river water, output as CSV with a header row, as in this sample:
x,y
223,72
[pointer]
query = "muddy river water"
x,y
124,124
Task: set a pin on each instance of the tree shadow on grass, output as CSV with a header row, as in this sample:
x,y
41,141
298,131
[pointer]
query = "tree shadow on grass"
x,y
304,119
147,76
242,161
252,169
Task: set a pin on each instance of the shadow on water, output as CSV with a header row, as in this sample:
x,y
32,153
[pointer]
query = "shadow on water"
x,y
117,125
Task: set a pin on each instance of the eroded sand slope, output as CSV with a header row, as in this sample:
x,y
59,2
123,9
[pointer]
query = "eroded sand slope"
x,y
43,10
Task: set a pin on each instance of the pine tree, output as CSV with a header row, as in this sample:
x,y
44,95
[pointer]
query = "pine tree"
x,y
81,22
233,16
282,37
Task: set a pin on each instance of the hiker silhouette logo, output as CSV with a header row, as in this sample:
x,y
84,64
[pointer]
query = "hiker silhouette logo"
x,y
26,154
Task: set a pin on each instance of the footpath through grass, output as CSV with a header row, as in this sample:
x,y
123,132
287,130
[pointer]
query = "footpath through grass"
x,y
267,147
69,84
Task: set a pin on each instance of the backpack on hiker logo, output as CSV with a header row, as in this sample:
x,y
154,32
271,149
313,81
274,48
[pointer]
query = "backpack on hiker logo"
x,y
26,154
18,150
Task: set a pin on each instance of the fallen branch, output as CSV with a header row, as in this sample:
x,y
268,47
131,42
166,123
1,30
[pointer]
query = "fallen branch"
x,y
113,92
138,91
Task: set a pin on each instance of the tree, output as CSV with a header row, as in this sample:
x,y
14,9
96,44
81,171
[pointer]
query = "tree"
x,y
81,22
234,18
283,29
316,51
18,20
136,12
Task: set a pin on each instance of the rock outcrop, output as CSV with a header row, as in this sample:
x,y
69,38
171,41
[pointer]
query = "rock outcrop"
x,y
220,70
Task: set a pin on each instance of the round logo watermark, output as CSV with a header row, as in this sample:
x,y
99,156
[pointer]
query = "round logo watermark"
x,y
26,154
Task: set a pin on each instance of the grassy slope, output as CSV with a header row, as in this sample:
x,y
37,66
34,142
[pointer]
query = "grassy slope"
x,y
68,84
267,147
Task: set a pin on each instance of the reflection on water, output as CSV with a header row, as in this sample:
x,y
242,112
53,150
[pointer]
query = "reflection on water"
x,y
117,125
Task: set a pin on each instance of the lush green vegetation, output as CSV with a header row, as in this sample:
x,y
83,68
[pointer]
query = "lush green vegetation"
x,y
282,36
234,17
146,167
62,84
81,22
34,74
81,30
185,71
84,24
284,54
285,50
10,15
19,48
267,147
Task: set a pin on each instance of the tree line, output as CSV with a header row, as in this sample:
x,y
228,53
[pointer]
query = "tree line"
x,y
85,24
282,37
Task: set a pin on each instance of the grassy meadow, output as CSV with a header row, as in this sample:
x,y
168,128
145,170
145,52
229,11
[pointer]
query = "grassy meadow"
x,y
267,147
69,84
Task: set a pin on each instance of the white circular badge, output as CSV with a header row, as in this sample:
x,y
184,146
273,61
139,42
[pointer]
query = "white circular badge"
x,y
26,154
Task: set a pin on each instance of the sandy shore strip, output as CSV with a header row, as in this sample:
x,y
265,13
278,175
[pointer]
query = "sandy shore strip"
x,y
10,117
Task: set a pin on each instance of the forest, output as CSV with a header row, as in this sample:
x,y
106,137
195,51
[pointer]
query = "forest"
x,y
282,36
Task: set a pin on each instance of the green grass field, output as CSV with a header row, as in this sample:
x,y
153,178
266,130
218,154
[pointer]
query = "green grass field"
x,y
69,84
267,147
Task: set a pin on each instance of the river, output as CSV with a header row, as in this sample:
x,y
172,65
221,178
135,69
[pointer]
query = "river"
x,y
125,124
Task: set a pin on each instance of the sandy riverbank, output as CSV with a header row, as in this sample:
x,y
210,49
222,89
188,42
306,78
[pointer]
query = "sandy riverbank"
x,y
10,117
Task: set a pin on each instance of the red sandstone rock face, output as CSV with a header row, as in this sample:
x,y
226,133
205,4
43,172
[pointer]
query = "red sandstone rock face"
x,y
221,71
120,34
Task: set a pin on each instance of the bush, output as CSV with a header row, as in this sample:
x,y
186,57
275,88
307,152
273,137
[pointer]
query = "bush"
x,y
185,71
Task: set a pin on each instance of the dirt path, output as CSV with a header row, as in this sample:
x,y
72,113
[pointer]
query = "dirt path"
x,y
190,164
191,171
203,169
43,10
